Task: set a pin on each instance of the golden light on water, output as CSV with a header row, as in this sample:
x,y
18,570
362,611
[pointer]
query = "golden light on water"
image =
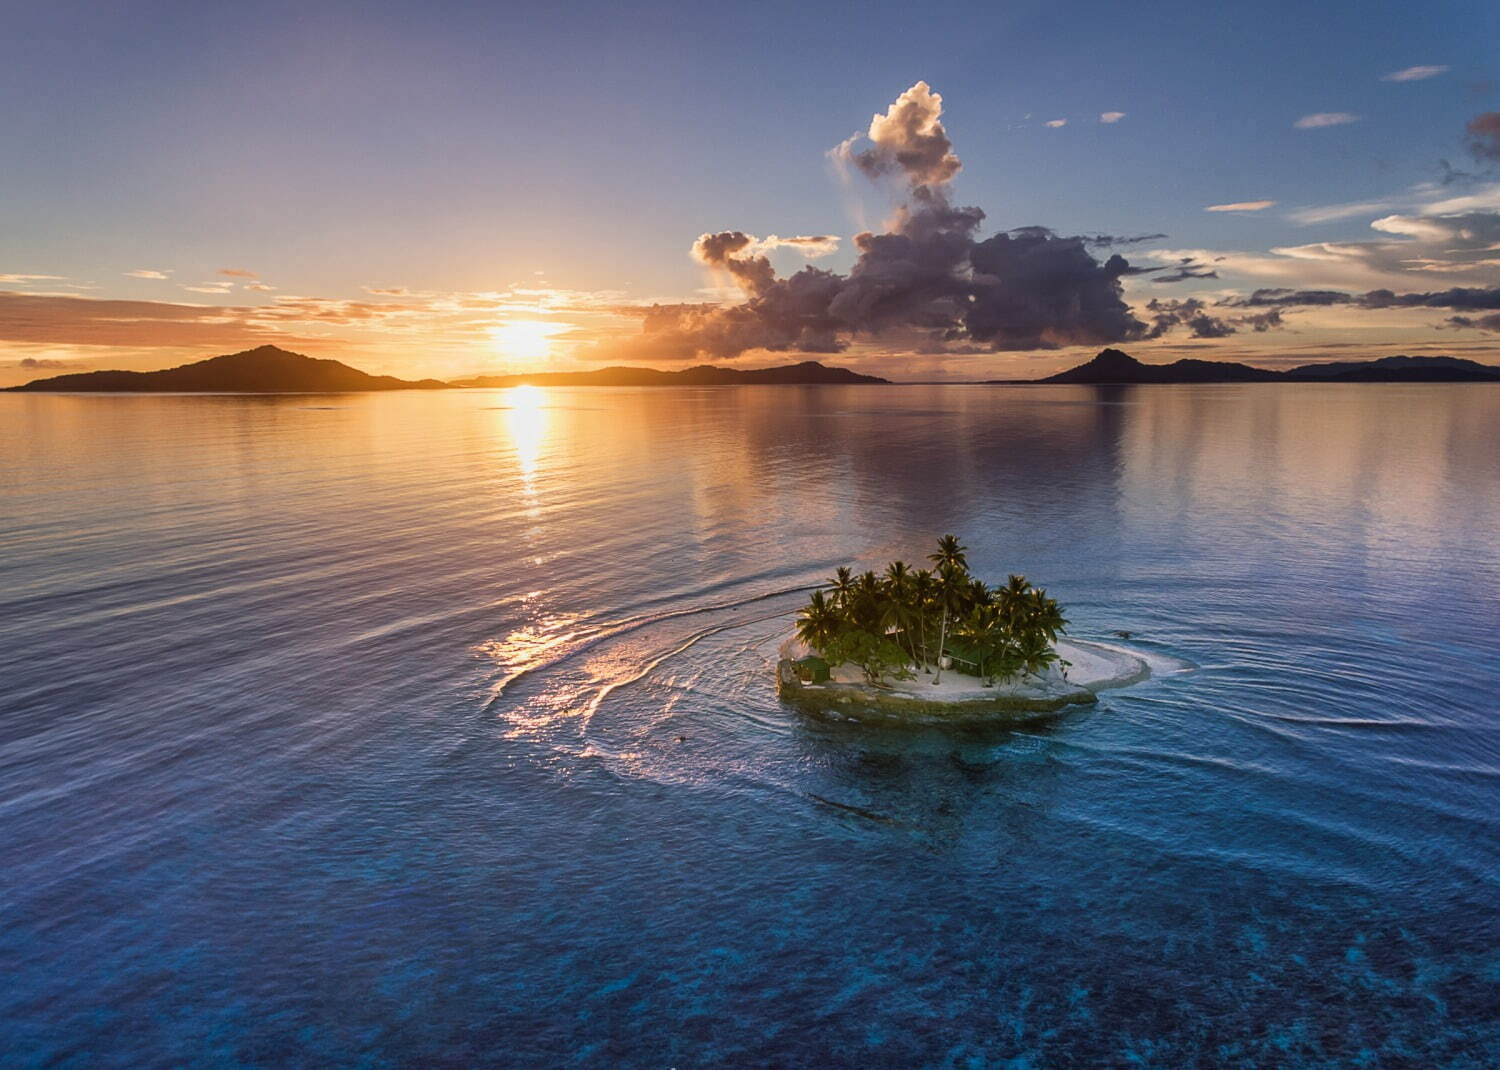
x,y
526,418
525,340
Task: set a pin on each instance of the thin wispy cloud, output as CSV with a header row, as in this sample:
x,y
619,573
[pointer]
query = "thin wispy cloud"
x,y
23,279
1415,74
811,246
238,273
1240,206
1055,123
209,288
1111,116
1332,213
146,273
1325,118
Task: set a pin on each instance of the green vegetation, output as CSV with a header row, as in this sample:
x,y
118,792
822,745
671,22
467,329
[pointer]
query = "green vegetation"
x,y
908,620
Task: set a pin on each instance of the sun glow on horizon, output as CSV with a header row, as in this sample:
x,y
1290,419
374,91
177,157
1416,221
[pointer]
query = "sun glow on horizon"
x,y
529,340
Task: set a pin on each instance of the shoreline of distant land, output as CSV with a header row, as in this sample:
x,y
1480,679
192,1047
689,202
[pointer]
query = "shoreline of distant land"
x,y
271,370
1113,367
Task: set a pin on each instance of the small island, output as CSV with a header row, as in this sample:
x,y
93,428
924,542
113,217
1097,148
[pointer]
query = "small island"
x,y
939,644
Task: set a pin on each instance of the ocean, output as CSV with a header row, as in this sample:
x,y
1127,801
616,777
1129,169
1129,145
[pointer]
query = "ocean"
x,y
440,728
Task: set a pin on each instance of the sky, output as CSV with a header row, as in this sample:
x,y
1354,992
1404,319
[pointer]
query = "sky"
x,y
452,189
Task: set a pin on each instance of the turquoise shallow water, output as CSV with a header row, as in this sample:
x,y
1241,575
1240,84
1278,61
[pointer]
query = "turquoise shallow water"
x,y
438,729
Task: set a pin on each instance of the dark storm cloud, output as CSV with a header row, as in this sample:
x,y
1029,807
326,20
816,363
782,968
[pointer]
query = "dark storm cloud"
x,y
1034,290
926,274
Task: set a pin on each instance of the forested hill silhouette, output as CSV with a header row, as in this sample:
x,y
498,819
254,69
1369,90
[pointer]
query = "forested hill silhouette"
x,y
809,371
264,370
1115,366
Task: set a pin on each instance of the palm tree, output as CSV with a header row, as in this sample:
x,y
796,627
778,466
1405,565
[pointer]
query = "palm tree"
x,y
922,590
842,585
1036,652
1044,614
952,583
897,610
818,623
950,554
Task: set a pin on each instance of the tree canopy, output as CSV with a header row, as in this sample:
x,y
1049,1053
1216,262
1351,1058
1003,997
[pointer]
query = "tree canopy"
x,y
908,619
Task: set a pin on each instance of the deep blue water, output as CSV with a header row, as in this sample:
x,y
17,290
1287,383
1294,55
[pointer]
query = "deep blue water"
x,y
438,729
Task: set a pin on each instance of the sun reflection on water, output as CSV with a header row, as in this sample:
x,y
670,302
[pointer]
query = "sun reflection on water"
x,y
527,419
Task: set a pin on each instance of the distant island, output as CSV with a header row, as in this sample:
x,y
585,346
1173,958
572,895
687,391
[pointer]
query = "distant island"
x,y
271,370
940,644
1114,366
807,372
263,370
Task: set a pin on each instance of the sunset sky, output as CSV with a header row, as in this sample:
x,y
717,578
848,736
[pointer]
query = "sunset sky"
x,y
450,189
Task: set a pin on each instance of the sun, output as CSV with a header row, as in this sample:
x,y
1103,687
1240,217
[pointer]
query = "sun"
x,y
525,339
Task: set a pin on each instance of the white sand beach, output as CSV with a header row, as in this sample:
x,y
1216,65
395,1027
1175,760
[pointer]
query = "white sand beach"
x,y
1092,667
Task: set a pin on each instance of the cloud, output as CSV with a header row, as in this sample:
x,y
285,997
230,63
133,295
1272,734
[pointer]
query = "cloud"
x,y
209,288
1325,118
1193,314
1332,213
1111,116
1414,74
1118,239
1484,135
908,140
1240,206
57,319
1477,323
238,273
1190,313
1187,267
1434,243
22,280
259,286
927,278
1459,299
47,364
146,273
811,246
1056,123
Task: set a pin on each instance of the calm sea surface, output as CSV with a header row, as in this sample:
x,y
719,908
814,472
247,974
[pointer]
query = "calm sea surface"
x,y
439,729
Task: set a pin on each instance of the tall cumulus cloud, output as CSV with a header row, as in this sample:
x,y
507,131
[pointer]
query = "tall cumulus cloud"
x,y
926,273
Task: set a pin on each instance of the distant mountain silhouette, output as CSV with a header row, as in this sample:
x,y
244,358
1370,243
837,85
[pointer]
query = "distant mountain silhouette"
x,y
266,370
809,371
1400,370
1114,366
